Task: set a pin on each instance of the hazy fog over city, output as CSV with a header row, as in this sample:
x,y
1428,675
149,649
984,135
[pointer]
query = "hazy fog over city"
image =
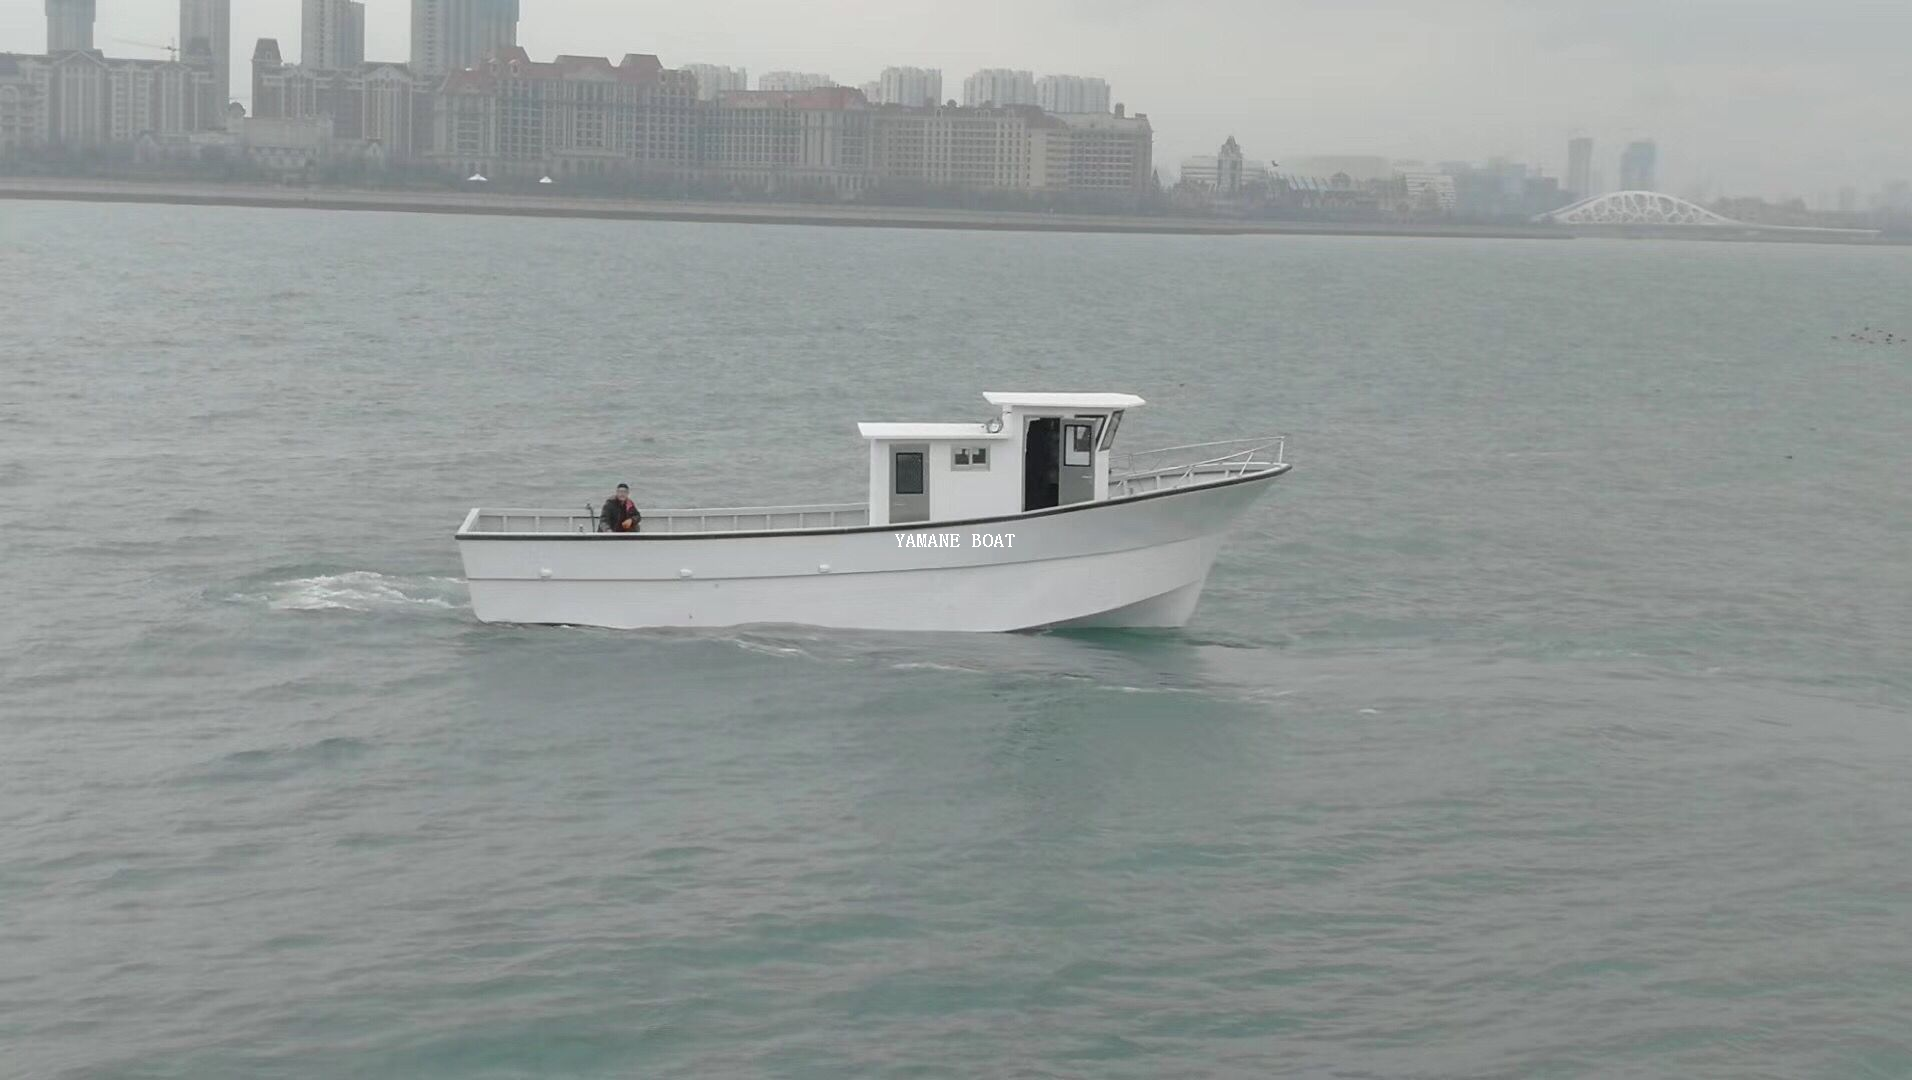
x,y
1763,97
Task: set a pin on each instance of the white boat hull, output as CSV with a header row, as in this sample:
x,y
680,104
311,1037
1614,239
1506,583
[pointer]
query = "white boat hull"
x,y
1139,561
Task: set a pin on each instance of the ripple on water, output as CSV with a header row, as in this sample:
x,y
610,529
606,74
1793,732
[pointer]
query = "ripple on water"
x,y
278,763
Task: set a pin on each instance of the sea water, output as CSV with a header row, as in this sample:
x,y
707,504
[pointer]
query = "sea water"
x,y
1550,719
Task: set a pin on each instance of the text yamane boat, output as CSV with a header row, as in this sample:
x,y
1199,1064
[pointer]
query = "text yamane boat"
x,y
1016,523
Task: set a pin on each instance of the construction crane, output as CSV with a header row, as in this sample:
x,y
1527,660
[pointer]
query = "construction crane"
x,y
172,51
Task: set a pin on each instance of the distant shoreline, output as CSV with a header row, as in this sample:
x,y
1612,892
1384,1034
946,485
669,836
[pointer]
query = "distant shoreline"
x,y
552,206
192,193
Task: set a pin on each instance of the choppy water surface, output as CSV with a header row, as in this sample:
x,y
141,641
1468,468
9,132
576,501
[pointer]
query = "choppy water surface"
x,y
1551,719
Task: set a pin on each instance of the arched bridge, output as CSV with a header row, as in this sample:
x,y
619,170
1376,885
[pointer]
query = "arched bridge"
x,y
1635,208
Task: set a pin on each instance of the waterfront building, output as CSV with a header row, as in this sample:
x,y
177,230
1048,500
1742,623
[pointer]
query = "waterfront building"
x,y
372,103
774,141
1228,168
1097,152
82,99
911,86
1225,172
1359,168
999,86
793,82
452,35
1580,167
713,80
205,32
1072,94
286,145
24,112
1428,192
872,91
1204,172
1638,166
1503,189
955,147
1016,147
332,35
573,116
69,26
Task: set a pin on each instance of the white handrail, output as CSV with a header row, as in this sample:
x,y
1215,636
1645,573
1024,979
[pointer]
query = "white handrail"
x,y
494,521
1256,454
1266,450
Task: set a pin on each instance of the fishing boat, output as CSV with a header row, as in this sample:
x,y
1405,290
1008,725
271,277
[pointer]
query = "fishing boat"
x,y
1025,520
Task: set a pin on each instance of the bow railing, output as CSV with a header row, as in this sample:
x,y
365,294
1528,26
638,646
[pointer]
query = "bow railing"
x,y
1180,466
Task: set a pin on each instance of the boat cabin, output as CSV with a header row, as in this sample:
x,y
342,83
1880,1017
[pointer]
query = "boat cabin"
x,y
1044,450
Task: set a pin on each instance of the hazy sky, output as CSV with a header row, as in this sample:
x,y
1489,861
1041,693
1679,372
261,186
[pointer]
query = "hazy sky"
x,y
1770,97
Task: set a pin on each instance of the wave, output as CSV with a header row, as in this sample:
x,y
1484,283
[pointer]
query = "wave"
x,y
359,590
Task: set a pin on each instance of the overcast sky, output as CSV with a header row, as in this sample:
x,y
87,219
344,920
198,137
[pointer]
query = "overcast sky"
x,y
1768,97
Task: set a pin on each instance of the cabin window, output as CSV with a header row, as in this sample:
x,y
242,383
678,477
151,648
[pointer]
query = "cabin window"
x,y
909,472
1108,429
1078,443
969,457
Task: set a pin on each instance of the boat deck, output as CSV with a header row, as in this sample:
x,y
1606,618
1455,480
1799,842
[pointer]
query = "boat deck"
x,y
702,520
1140,473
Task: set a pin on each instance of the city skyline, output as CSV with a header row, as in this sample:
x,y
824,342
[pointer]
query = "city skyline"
x,y
1781,99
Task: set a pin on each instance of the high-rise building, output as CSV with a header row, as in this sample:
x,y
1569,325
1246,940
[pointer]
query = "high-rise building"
x,y
714,79
69,25
793,82
1580,167
1072,94
872,91
999,86
452,35
332,37
912,86
1637,166
205,30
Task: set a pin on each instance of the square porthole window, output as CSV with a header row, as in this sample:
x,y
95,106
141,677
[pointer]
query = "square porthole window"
x,y
969,457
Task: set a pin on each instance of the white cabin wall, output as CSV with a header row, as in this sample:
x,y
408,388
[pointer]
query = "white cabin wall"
x,y
879,482
955,494
1012,421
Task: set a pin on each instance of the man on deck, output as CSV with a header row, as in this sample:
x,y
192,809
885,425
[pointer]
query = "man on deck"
x,y
620,514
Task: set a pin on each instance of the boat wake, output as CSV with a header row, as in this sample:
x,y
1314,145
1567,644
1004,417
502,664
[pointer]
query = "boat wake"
x,y
359,590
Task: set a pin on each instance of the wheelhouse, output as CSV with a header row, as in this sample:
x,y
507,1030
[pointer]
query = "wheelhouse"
x,y
1041,451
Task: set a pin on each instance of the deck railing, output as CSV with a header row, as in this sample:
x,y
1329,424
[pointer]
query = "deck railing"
x,y
718,519
1179,466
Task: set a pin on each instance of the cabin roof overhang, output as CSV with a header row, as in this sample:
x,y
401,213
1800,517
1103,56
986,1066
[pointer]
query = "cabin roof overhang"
x,y
930,432
1015,400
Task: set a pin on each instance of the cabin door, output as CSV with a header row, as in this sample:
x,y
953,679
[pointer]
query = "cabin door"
x,y
1076,477
1041,459
909,484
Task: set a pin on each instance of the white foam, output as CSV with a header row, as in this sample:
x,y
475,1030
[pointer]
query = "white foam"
x,y
767,650
357,590
925,665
